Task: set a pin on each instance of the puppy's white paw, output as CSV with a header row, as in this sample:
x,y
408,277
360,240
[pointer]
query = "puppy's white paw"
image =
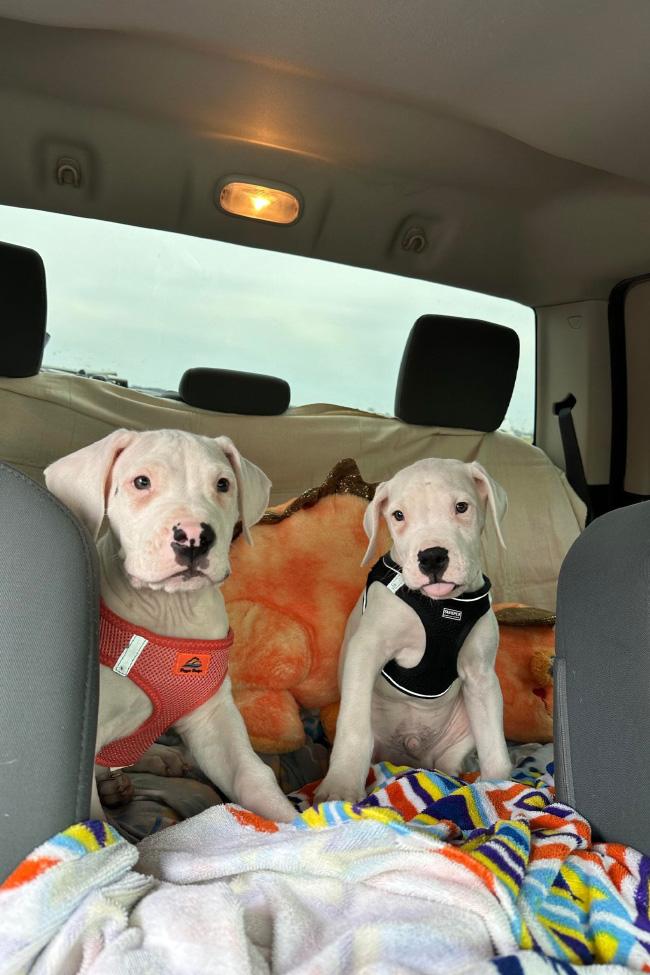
x,y
257,789
335,789
162,760
276,808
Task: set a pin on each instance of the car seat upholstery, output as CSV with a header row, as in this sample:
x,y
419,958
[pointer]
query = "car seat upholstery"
x,y
50,415
48,667
602,677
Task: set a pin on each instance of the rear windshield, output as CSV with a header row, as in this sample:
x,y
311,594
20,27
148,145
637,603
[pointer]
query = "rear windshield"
x,y
145,305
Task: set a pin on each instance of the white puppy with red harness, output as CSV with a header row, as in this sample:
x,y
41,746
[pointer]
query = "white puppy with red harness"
x,y
417,678
171,500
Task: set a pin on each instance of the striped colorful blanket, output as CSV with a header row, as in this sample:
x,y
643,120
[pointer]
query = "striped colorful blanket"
x,y
428,874
564,897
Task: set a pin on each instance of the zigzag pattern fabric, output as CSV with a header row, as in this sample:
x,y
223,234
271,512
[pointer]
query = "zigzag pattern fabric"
x,y
499,877
566,898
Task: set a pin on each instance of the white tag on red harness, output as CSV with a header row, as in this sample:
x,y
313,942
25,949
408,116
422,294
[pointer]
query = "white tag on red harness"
x,y
129,655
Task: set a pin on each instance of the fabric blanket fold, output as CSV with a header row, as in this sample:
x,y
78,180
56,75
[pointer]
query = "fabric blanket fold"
x,y
428,874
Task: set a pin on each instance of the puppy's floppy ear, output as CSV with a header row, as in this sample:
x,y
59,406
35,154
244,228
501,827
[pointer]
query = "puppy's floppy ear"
x,y
492,494
82,479
253,486
371,518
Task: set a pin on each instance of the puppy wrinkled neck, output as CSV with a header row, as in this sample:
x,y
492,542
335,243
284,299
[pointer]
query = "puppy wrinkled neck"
x,y
198,614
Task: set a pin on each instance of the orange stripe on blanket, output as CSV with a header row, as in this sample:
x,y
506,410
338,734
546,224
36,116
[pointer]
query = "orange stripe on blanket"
x,y
481,871
550,821
591,856
616,851
617,873
550,851
501,797
398,801
246,818
28,870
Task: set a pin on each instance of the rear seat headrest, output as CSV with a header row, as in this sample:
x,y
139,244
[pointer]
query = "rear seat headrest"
x,y
23,309
228,391
457,372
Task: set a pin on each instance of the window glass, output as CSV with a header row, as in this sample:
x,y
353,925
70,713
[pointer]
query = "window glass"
x,y
146,305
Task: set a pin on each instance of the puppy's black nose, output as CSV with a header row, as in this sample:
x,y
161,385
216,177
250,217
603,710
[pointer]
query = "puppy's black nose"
x,y
433,562
191,541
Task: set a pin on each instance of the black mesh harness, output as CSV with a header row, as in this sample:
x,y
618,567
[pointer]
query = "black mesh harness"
x,y
446,622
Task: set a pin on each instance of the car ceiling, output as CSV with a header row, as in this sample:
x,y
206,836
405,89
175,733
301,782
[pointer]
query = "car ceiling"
x,y
514,133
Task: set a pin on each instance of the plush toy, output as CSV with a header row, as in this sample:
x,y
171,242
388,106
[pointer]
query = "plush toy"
x,y
289,597
524,666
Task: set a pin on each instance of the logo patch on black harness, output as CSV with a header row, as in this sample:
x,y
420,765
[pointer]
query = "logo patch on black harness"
x,y
452,614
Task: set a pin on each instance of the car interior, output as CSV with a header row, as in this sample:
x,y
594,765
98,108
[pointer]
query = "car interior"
x,y
459,194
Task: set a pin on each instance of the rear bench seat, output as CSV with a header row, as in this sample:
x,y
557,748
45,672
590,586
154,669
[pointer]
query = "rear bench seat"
x,y
46,415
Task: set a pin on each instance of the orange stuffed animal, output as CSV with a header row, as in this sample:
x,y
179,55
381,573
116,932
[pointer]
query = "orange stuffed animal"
x,y
288,601
524,666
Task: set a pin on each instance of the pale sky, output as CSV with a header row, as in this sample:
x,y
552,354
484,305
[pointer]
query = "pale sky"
x,y
148,304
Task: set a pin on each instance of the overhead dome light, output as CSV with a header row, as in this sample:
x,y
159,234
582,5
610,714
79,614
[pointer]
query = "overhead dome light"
x,y
256,201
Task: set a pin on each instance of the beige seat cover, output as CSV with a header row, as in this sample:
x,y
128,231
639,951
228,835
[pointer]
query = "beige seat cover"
x,y
53,414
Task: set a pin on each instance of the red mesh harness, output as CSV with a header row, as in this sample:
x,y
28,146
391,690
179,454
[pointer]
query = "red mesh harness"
x,y
176,675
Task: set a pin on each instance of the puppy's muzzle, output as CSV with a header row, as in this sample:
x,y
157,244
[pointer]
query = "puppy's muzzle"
x,y
191,542
433,562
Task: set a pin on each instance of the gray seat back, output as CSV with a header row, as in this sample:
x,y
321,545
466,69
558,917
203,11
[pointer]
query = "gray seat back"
x,y
49,672
602,677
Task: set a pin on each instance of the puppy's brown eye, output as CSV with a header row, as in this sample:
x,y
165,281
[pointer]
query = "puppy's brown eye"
x,y
223,484
461,507
142,482
398,515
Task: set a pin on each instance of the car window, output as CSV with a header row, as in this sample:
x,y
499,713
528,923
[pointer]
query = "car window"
x,y
146,305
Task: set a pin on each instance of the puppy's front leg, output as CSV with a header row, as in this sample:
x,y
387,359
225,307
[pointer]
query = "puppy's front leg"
x,y
483,699
365,653
216,735
352,749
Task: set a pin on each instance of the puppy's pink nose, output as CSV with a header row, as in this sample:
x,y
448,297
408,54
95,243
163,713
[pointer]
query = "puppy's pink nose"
x,y
191,539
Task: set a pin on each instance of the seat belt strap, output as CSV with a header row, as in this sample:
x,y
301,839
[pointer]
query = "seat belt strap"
x,y
573,465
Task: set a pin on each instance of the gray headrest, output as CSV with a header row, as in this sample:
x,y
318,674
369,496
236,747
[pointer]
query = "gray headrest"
x,y
457,372
227,391
23,310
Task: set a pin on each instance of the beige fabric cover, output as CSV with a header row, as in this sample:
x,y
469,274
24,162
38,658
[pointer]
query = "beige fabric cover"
x,y
52,414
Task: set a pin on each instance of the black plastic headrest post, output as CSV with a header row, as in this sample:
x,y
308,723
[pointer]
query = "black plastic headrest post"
x,y
23,310
457,372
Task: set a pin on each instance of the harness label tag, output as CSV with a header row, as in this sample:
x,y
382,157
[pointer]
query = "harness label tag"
x,y
452,614
396,583
192,663
129,655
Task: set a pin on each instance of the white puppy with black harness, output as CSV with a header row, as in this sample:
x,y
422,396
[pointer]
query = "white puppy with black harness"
x,y
417,678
